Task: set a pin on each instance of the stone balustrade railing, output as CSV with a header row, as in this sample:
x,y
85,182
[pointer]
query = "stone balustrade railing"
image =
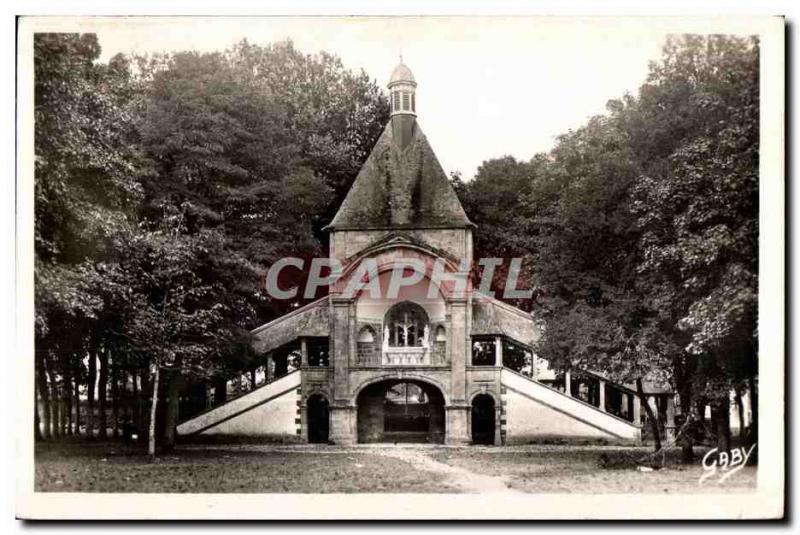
x,y
406,356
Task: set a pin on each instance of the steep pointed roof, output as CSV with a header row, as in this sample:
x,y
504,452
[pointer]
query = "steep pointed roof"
x,y
401,188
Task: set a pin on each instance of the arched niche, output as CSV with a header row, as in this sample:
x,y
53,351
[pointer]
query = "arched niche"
x,y
368,346
441,334
374,307
366,335
406,324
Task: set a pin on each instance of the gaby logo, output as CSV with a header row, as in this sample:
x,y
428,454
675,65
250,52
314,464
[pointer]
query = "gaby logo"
x,y
725,463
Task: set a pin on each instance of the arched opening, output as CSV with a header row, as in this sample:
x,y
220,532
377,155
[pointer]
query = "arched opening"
x,y
441,335
366,335
317,412
483,419
401,411
406,325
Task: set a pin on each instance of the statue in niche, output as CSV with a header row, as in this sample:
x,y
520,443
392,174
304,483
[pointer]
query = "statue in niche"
x,y
385,338
425,336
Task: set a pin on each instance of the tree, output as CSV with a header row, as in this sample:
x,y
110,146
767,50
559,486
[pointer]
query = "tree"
x,y
497,199
585,265
213,215
641,229
334,116
248,146
163,196
698,208
86,188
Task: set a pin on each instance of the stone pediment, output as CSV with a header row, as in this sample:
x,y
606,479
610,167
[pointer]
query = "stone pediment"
x,y
399,239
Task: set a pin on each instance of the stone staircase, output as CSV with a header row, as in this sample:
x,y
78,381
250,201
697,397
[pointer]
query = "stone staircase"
x,y
536,412
270,409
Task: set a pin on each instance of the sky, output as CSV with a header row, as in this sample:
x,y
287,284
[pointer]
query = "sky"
x,y
487,87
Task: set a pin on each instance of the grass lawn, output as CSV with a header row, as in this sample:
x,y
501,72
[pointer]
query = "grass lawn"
x,y
591,470
265,468
112,468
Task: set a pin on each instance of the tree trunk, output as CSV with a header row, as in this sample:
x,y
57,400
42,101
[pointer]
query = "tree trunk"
x,y
37,430
684,388
77,398
62,405
740,411
708,432
720,413
54,408
44,393
144,388
115,400
650,416
171,416
102,392
68,398
151,435
686,439
753,386
136,415
90,392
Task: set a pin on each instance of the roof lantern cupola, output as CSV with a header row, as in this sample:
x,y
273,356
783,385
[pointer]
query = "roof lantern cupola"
x,y
401,185
402,90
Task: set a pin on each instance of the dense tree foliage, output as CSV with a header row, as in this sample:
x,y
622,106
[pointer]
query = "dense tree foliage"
x,y
640,228
165,186
87,191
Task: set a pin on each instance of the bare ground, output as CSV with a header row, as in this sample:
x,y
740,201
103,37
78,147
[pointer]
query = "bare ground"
x,y
98,467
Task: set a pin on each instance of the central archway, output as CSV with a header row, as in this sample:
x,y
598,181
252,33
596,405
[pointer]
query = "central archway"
x,y
401,410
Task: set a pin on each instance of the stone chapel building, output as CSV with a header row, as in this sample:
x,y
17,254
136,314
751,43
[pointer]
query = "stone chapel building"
x,y
453,368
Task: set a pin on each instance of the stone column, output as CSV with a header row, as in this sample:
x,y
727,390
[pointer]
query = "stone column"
x,y
568,383
669,427
343,425
352,333
342,413
457,429
303,352
303,419
602,397
457,412
498,425
340,349
498,351
459,350
268,373
637,410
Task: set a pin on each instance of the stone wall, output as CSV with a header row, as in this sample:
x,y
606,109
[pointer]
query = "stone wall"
x,y
455,242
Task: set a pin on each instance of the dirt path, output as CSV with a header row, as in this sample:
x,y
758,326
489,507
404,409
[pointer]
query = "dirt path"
x,y
417,456
461,478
